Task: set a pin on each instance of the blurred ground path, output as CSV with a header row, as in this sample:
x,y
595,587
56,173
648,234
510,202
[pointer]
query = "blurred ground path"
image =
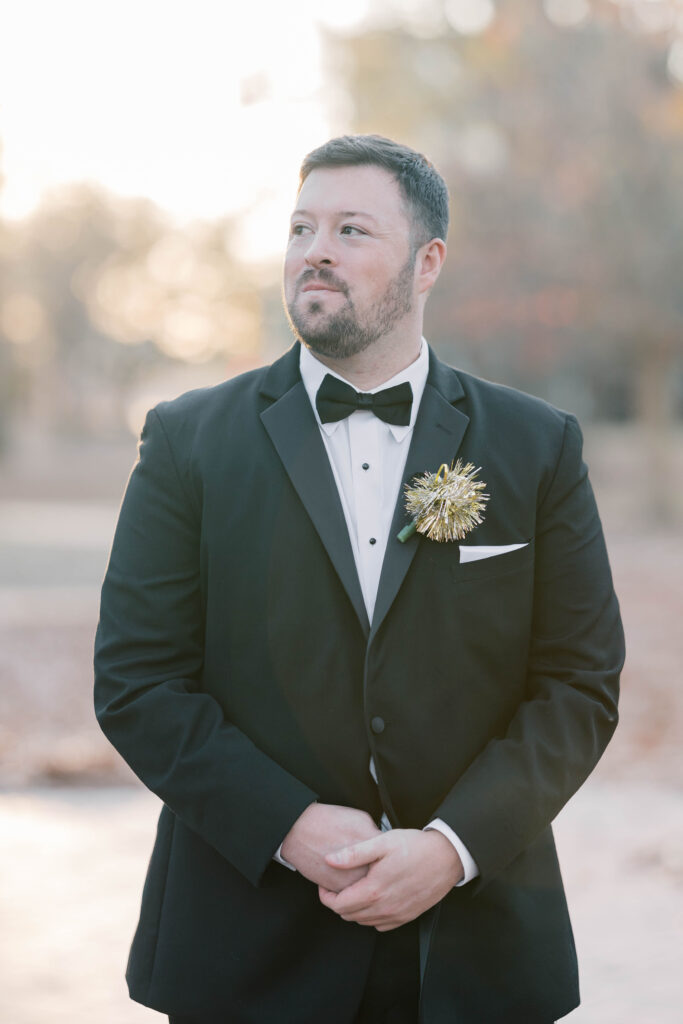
x,y
72,863
53,556
71,866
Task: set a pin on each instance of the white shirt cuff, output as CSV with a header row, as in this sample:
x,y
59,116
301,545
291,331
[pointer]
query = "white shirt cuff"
x,y
281,860
469,867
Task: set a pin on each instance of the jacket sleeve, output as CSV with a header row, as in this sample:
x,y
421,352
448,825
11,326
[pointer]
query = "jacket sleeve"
x,y
521,780
148,669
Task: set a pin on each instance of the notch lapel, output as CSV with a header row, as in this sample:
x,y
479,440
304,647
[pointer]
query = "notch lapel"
x,y
293,429
438,434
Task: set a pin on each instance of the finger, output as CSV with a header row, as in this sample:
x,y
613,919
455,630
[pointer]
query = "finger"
x,y
328,898
358,854
362,896
381,922
348,910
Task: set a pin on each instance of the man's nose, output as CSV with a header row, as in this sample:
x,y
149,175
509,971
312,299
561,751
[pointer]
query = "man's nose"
x,y
320,252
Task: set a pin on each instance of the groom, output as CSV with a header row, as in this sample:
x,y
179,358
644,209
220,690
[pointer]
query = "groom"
x,y
360,744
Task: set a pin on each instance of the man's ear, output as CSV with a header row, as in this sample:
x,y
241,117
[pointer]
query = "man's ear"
x,y
428,263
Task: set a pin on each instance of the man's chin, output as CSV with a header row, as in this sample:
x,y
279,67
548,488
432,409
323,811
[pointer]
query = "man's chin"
x,y
326,336
334,347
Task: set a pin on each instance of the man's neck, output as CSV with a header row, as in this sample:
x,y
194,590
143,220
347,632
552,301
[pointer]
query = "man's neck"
x,y
376,364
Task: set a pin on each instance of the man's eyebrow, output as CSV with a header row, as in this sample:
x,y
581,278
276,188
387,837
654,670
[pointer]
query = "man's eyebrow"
x,y
340,213
356,213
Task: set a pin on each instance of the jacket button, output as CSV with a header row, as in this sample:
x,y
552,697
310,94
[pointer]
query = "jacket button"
x,y
377,725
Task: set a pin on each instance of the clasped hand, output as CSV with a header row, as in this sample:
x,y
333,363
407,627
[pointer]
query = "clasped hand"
x,y
381,879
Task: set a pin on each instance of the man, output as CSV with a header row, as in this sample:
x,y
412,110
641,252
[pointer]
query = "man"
x,y
360,743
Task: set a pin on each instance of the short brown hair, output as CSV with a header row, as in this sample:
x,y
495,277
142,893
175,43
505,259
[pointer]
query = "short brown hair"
x,y
423,188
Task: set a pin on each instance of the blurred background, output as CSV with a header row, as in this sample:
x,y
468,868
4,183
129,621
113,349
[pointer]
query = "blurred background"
x,y
149,155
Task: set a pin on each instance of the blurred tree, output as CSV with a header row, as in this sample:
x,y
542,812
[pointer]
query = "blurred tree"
x,y
10,375
560,133
561,137
100,292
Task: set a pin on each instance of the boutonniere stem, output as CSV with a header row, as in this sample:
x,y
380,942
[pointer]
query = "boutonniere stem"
x,y
445,505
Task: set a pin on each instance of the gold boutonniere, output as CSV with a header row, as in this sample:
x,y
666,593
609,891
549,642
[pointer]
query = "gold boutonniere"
x,y
445,505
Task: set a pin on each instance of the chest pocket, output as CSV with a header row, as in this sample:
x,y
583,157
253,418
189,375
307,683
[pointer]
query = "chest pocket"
x,y
494,565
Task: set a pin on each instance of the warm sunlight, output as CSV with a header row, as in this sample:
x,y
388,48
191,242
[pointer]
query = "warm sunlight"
x,y
205,107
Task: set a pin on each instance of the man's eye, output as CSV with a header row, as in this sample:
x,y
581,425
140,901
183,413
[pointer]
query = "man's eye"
x,y
299,229
349,229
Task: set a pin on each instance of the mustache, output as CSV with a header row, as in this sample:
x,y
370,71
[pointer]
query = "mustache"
x,y
322,276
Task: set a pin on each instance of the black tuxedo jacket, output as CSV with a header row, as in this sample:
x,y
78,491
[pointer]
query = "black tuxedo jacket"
x,y
237,673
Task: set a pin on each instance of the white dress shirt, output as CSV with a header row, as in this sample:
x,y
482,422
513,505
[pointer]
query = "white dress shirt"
x,y
368,459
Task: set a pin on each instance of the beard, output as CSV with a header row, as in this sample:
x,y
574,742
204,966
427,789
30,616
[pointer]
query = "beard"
x,y
345,332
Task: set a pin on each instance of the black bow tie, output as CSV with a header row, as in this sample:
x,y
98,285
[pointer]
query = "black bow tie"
x,y
336,400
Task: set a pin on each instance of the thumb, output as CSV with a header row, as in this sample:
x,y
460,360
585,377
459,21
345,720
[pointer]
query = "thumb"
x,y
357,855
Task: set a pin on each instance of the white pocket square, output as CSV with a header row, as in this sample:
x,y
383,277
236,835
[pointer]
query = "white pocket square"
x,y
472,553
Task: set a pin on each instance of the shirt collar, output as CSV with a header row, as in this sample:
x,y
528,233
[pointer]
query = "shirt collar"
x,y
313,371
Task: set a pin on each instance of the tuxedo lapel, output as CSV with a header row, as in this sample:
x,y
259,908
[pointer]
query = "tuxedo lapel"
x,y
438,434
293,429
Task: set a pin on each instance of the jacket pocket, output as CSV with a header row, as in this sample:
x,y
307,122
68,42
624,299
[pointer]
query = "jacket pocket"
x,y
495,565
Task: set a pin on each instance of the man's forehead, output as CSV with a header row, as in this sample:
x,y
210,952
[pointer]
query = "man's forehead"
x,y
356,190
